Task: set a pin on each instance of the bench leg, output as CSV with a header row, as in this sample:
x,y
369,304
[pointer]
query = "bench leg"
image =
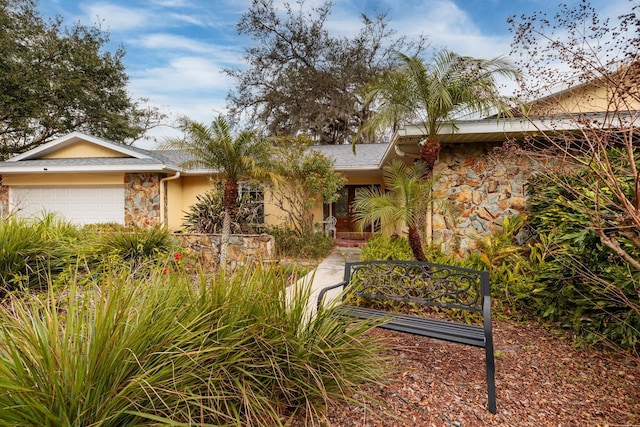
x,y
491,376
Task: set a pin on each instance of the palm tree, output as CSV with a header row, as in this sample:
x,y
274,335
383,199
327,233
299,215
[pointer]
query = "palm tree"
x,y
431,95
404,202
234,158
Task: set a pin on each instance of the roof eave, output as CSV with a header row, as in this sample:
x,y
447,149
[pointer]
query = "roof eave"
x,y
87,169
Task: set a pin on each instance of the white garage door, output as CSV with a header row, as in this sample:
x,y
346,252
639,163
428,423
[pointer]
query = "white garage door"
x,y
80,205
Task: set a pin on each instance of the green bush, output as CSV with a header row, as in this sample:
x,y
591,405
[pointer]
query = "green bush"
x,y
290,244
34,252
382,247
581,283
122,350
135,247
207,214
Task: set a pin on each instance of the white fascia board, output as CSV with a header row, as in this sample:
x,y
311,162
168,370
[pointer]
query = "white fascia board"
x,y
195,172
88,168
479,127
358,168
70,138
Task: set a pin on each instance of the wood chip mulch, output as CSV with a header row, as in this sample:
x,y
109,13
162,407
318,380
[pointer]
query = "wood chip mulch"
x,y
541,380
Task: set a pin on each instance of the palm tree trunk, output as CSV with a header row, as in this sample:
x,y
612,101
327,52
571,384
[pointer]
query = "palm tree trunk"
x,y
230,203
429,155
415,243
226,236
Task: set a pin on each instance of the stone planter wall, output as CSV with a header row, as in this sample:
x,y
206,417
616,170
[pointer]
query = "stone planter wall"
x,y
481,189
243,248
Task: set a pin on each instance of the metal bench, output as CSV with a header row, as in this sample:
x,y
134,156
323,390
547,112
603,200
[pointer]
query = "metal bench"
x,y
420,283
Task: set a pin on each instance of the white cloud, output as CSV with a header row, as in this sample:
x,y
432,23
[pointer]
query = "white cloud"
x,y
448,26
114,17
167,41
187,19
193,76
171,3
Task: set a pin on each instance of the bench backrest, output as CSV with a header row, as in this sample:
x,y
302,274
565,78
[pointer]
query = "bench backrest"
x,y
419,282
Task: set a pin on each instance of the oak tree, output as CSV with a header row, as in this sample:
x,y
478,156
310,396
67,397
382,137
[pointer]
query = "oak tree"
x,y
56,79
301,78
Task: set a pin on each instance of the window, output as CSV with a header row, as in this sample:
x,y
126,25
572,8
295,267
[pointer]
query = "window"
x,y
253,196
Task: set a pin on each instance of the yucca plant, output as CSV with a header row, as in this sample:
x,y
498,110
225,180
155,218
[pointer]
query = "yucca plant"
x,y
123,350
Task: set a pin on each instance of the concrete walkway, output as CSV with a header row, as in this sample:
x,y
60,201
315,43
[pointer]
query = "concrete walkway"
x,y
329,272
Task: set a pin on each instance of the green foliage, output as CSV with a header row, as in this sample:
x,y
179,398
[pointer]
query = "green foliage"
x,y
430,94
136,247
383,247
305,177
33,252
118,350
300,77
56,80
511,267
583,284
235,158
290,244
403,203
207,214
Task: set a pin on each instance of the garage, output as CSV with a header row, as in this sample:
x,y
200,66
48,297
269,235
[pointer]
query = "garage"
x,y
79,205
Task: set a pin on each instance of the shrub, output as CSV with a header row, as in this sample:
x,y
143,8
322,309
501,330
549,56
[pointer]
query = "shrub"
x,y
123,350
582,283
207,214
383,247
34,252
290,244
136,246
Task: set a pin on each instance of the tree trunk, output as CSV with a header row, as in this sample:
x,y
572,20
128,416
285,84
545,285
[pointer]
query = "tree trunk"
x,y
429,155
230,203
415,243
225,237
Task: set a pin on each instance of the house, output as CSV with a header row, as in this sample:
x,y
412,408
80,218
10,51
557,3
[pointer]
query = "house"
x,y
91,180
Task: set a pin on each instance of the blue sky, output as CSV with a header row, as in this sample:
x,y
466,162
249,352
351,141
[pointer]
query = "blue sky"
x,y
176,49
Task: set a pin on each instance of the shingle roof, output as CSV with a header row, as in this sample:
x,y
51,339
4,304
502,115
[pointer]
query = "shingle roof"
x,y
367,156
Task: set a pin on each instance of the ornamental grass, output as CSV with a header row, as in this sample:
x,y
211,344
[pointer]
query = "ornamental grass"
x,y
114,349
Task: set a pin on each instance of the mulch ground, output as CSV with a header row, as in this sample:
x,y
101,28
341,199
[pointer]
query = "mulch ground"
x,y
541,380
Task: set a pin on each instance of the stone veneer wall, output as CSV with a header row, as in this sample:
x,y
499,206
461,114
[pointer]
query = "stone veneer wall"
x,y
4,201
481,190
243,248
142,199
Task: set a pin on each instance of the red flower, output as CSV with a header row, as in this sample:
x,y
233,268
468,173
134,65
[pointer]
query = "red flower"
x,y
178,256
165,271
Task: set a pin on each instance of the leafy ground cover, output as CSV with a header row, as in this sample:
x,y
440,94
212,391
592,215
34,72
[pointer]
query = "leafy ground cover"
x,y
541,380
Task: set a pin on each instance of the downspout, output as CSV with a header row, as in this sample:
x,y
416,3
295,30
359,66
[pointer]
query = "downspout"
x,y
163,196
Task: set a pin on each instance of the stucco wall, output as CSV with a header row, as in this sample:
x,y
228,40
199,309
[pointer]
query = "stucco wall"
x,y
243,248
480,188
83,149
142,199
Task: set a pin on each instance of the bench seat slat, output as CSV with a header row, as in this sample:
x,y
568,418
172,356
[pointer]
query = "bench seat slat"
x,y
433,328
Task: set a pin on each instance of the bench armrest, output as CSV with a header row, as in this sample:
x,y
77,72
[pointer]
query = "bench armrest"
x,y
323,291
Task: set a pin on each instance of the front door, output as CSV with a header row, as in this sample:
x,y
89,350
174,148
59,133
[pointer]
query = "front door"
x,y
342,209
